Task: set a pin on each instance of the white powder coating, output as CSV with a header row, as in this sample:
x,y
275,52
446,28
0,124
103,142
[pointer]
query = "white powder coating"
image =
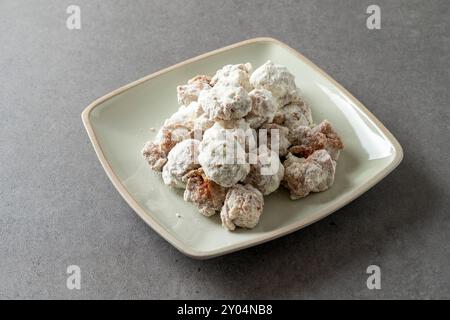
x,y
180,126
267,173
222,170
189,92
235,75
186,115
263,108
294,116
277,79
207,195
243,207
153,154
192,116
203,123
174,133
181,159
313,174
283,142
322,136
333,143
225,102
238,130
297,135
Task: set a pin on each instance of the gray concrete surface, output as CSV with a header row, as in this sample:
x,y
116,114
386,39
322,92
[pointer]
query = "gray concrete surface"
x,y
57,207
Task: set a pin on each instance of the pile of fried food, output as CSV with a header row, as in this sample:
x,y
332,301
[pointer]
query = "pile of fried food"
x,y
237,137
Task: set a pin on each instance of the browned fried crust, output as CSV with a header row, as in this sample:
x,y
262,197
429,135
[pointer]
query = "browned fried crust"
x,y
205,193
316,142
326,128
167,142
155,157
322,136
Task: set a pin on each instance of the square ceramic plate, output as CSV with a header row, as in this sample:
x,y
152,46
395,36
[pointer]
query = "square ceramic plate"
x,y
119,123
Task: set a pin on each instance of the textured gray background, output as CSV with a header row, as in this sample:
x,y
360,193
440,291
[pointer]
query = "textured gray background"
x,y
57,207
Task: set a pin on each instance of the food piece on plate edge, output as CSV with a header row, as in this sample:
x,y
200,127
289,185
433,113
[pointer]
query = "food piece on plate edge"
x,y
313,174
322,136
207,195
243,207
181,159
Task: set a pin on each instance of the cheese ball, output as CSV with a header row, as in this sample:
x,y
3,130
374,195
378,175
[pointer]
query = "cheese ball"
x,y
263,108
277,79
181,159
242,208
238,130
224,162
235,75
313,174
225,102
